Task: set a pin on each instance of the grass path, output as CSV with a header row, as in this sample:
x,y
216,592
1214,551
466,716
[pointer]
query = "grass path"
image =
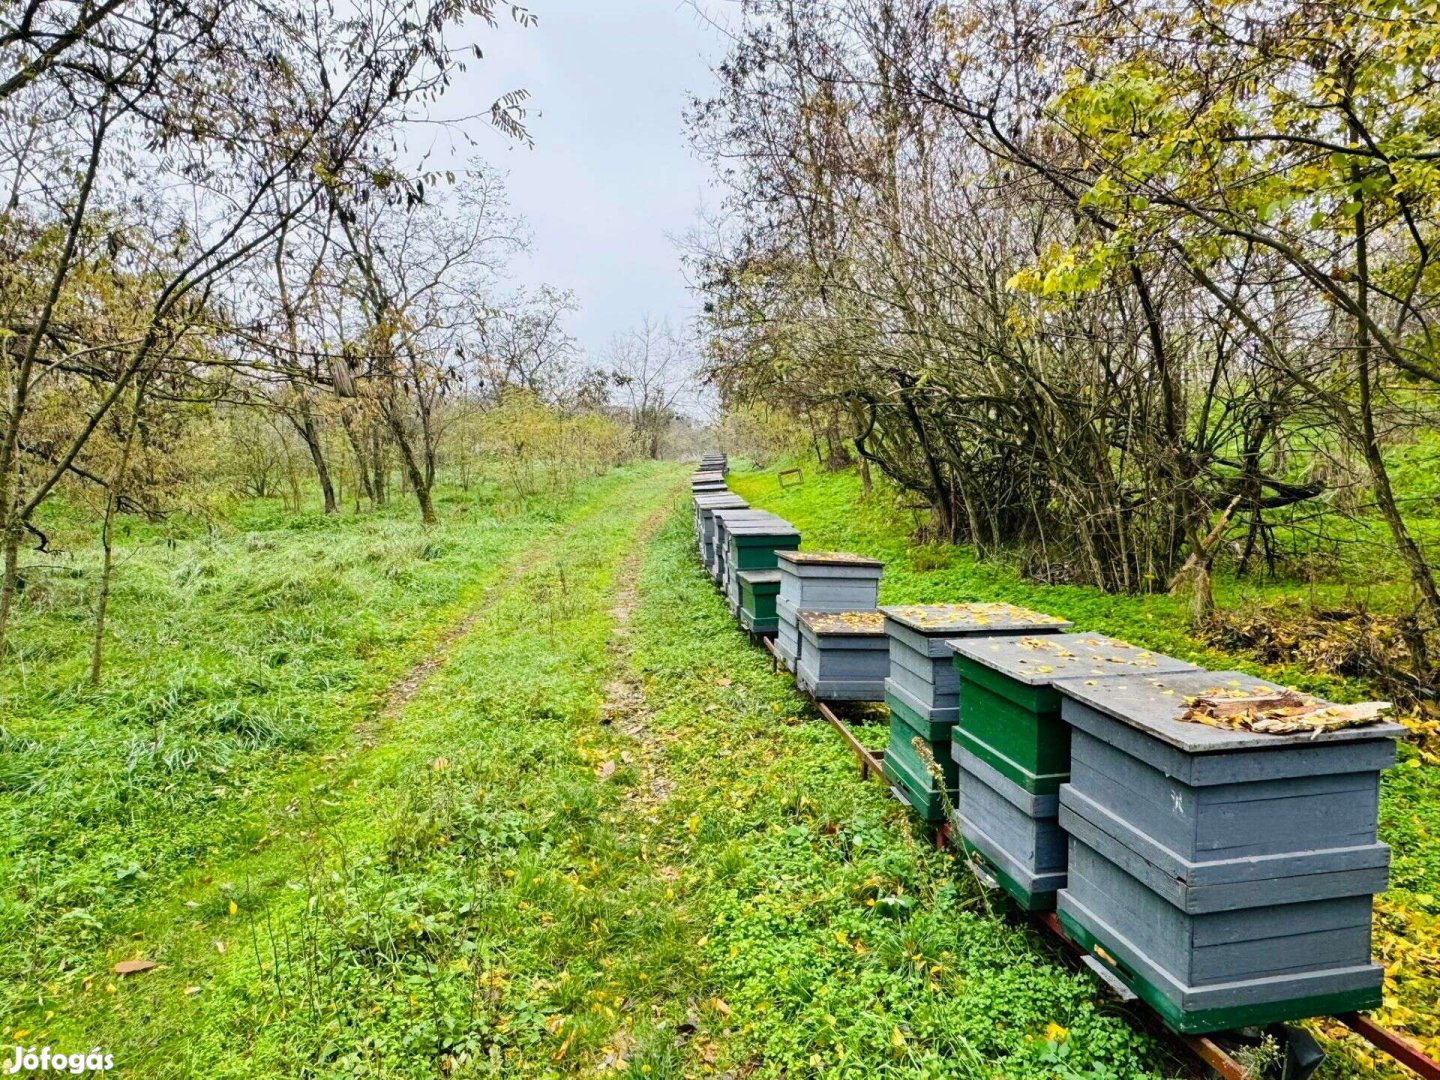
x,y
339,802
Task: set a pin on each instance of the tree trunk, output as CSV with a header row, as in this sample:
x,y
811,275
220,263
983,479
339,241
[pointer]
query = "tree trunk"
x,y
112,503
377,464
10,577
362,466
311,435
411,467
1410,553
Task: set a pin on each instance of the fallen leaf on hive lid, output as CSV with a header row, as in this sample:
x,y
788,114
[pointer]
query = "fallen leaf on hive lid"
x,y
1277,712
134,967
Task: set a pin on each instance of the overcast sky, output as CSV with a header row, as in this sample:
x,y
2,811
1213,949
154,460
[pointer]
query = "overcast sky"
x,y
611,177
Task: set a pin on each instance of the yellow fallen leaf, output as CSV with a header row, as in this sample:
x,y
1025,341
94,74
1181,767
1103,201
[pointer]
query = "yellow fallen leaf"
x,y
134,967
234,908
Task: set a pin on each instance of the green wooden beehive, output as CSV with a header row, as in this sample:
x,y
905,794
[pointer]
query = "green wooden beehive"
x,y
751,545
758,591
910,775
1010,723
1010,707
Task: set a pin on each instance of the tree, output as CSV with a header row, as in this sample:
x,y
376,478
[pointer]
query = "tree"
x,y
220,109
651,368
417,276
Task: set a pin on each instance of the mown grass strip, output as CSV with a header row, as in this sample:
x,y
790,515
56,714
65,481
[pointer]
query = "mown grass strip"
x,y
294,810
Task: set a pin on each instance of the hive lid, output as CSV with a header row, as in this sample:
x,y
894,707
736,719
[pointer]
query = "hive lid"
x,y
830,558
843,622
1046,658
772,526
707,474
720,500
1154,706
949,620
744,513
739,516
759,577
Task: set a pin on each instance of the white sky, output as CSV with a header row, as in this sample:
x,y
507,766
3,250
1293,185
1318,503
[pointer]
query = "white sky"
x,y
611,177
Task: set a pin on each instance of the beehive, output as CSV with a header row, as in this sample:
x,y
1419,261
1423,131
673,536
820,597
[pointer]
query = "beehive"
x,y
910,774
702,482
751,545
758,592
843,655
1227,876
705,507
721,520
924,684
1010,722
922,690
820,581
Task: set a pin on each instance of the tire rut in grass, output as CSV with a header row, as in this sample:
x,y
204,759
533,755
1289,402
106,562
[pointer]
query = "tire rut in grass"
x,y
624,706
404,689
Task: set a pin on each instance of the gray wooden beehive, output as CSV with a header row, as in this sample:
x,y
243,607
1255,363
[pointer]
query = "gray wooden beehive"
x,y
924,684
705,507
923,688
844,655
1010,721
721,520
1014,830
821,581
1226,875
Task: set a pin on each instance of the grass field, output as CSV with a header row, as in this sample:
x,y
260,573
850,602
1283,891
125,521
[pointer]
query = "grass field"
x,y
512,797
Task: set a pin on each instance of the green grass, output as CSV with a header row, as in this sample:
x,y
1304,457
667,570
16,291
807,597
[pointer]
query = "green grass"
x,y
832,513
601,838
223,743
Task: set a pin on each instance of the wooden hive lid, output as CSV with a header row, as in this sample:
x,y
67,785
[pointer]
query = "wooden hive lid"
x,y
1042,659
759,577
946,620
821,623
1154,705
830,558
